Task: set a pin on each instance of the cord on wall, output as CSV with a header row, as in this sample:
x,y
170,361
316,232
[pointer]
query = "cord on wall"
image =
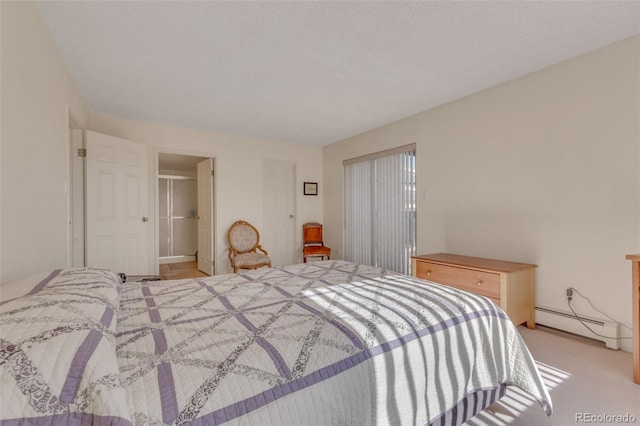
x,y
569,292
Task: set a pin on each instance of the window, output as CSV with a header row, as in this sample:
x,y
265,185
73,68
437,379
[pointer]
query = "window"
x,y
380,209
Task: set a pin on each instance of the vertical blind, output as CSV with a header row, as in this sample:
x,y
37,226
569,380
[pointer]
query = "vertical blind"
x,y
380,209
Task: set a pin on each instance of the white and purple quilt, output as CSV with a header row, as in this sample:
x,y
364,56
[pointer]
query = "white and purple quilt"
x,y
322,343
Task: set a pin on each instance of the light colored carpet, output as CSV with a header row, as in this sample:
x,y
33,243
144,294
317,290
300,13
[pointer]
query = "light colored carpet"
x,y
584,378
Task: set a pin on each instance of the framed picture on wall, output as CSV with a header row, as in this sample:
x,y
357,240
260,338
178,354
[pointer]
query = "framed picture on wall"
x,y
311,188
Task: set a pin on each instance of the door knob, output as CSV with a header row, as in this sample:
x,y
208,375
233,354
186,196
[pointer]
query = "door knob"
x,y
290,216
145,219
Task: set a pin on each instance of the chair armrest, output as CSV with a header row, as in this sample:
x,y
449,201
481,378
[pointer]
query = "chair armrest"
x,y
259,247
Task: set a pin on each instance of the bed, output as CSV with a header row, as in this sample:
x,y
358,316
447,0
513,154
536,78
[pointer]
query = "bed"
x,y
321,343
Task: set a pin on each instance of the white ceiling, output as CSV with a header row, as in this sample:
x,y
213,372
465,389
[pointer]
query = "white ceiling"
x,y
313,72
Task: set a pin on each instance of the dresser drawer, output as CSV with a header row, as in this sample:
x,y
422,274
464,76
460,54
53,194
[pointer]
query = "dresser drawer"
x,y
479,282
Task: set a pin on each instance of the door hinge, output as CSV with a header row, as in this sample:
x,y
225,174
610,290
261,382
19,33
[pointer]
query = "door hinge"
x,y
213,173
82,152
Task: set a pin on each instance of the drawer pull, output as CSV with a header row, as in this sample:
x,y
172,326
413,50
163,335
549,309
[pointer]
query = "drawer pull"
x,y
429,272
479,283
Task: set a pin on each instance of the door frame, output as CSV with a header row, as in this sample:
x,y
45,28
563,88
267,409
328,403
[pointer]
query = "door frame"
x,y
76,196
73,203
156,201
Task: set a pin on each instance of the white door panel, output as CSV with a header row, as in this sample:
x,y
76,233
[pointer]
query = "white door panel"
x,y
205,217
277,237
118,230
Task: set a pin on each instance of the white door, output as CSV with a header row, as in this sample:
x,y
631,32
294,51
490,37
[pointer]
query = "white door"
x,y
205,217
277,235
118,227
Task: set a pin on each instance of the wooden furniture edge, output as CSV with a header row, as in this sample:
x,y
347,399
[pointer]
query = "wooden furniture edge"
x,y
635,274
479,263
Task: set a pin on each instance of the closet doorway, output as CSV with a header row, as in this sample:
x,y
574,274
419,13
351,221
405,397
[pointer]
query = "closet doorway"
x,y
185,215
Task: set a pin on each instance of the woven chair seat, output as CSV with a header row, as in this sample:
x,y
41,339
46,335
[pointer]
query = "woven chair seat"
x,y
251,260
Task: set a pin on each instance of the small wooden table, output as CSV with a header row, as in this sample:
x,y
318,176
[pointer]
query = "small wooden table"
x,y
635,259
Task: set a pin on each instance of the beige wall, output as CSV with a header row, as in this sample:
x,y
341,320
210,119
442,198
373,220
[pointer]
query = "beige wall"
x,y
37,97
541,169
239,162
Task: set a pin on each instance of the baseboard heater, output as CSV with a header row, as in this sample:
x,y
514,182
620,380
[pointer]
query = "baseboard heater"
x,y
566,321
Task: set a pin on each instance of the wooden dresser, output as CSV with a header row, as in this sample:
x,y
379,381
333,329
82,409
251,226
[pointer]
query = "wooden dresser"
x,y
635,294
508,284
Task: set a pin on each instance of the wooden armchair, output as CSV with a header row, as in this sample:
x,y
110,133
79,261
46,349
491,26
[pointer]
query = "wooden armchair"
x,y
312,245
244,243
